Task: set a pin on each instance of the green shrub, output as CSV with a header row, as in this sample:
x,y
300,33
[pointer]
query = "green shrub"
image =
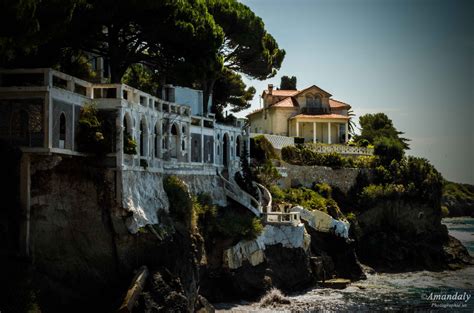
x,y
245,177
366,161
372,194
427,181
231,224
303,155
388,149
291,154
382,175
267,174
299,140
277,193
180,200
351,217
305,197
90,136
323,189
333,159
261,149
460,192
363,143
204,213
129,144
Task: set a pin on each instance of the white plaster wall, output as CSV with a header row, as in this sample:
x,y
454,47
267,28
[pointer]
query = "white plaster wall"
x,y
210,184
143,195
192,98
253,250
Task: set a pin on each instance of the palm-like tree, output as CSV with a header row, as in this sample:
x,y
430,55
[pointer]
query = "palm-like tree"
x,y
351,124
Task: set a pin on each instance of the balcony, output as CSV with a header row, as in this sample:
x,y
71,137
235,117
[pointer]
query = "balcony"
x,y
315,111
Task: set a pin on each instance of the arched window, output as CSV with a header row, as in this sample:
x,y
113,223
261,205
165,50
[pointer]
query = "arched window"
x,y
143,138
174,141
62,131
317,101
127,134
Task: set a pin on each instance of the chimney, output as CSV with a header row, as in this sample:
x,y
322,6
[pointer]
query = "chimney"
x,y
270,89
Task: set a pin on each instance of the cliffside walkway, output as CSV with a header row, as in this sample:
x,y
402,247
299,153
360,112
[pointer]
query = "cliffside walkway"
x,y
262,206
275,217
233,191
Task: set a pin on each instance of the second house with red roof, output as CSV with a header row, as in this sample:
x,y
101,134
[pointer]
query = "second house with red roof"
x,y
310,113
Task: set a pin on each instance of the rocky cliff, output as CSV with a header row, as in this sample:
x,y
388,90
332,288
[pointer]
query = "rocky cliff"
x,y
404,236
82,250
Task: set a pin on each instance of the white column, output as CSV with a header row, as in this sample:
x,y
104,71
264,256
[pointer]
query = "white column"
x,y
314,132
329,132
347,132
297,129
202,140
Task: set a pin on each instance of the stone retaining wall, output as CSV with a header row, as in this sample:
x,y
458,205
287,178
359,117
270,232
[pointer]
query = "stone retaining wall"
x,y
343,178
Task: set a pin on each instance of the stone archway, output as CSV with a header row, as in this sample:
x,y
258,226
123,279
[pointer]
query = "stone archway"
x,y
226,150
174,141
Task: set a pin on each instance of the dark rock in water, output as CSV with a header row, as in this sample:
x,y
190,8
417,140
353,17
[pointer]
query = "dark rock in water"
x,y
337,257
164,294
284,268
397,236
204,306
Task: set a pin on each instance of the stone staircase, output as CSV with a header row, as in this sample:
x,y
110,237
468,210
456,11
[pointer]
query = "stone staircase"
x,y
233,191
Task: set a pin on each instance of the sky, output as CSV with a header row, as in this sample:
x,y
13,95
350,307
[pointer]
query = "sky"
x,y
411,59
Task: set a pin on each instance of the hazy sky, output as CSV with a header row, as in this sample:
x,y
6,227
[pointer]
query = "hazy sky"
x,y
411,59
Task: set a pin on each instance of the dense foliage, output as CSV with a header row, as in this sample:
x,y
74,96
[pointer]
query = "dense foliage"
x,y
376,126
90,134
304,155
232,224
460,192
221,222
261,149
409,178
245,177
180,200
316,198
288,83
204,44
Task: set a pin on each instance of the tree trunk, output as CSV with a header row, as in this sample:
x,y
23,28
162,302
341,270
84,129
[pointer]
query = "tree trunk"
x,y
117,67
208,86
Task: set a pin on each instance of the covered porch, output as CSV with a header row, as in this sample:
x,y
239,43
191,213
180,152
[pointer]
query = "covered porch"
x,y
330,128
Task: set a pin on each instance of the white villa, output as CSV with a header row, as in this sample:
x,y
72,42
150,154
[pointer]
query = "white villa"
x,y
40,108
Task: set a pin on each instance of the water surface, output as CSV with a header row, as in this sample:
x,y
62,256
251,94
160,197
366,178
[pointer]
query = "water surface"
x,y
421,291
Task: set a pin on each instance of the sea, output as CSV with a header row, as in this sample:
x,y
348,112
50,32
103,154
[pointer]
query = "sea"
x,y
422,291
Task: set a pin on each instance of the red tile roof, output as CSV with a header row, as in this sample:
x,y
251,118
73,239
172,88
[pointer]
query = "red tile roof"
x,y
282,92
335,104
288,102
322,116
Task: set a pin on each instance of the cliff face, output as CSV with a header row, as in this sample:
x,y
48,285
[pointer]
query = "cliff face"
x,y
81,245
405,236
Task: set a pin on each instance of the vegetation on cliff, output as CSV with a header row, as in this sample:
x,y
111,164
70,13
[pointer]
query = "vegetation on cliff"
x,y
199,214
458,199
